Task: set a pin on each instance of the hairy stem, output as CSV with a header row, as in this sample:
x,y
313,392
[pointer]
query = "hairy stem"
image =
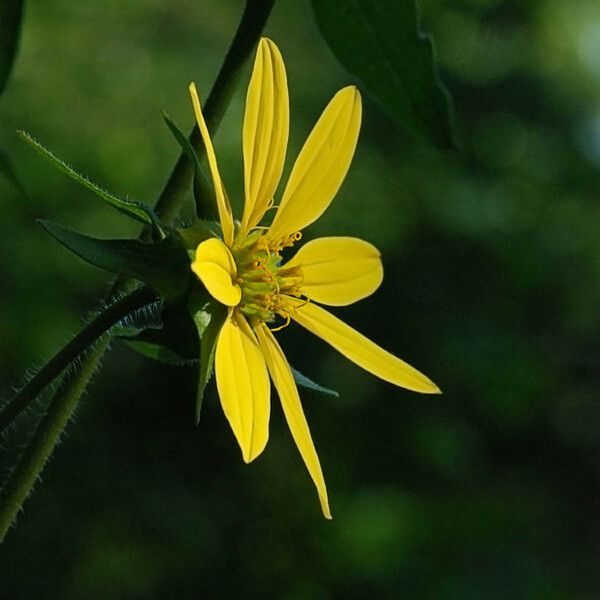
x,y
98,326
45,438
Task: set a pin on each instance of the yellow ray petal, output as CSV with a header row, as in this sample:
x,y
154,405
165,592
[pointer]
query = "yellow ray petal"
x,y
321,165
360,349
292,408
266,128
225,214
243,384
216,268
338,270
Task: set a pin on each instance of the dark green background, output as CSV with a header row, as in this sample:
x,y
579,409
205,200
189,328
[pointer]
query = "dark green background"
x,y
492,288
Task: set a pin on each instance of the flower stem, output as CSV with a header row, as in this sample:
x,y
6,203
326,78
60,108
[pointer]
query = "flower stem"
x,y
167,208
251,25
97,327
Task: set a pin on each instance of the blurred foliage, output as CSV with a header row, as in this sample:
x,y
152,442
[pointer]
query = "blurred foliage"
x,y
492,288
11,15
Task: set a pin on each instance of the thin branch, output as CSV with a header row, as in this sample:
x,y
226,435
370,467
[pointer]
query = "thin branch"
x,y
249,30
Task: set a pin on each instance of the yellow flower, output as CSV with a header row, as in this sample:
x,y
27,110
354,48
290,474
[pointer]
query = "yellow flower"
x,y
244,270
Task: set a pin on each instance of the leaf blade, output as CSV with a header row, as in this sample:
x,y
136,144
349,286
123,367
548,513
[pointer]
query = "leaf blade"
x,y
309,384
132,208
164,265
380,42
157,352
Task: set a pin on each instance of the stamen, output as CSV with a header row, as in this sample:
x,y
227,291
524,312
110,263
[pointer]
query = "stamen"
x,y
287,322
304,303
263,282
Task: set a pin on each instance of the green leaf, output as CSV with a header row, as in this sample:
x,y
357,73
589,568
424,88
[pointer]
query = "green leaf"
x,y
11,16
8,172
203,190
309,384
157,352
380,42
164,266
209,316
132,208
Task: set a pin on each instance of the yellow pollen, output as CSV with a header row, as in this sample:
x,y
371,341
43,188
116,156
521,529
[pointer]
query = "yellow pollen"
x,y
264,283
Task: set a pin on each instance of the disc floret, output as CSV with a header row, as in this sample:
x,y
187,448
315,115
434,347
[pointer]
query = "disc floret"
x,y
264,282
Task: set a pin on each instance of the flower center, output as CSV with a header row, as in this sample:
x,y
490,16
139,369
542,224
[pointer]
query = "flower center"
x,y
262,279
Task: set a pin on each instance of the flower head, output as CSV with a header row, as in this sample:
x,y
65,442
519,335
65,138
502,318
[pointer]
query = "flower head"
x,y
244,270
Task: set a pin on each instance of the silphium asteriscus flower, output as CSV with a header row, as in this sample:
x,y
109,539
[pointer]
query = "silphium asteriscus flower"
x,y
244,269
